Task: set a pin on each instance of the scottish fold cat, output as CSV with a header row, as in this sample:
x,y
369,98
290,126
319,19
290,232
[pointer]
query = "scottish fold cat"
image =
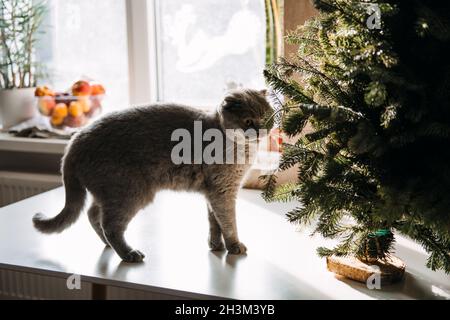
x,y
126,157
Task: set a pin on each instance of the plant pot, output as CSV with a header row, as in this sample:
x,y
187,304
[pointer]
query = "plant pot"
x,y
16,105
389,270
373,261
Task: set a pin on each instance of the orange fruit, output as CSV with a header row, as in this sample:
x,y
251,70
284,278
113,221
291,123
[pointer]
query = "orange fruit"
x,y
81,88
75,109
57,121
85,103
39,92
97,89
46,105
44,91
60,110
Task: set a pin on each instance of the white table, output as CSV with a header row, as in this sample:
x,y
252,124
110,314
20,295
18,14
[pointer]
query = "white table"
x,y
281,262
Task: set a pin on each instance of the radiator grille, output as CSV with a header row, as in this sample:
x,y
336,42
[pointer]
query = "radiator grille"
x,y
16,186
27,286
17,285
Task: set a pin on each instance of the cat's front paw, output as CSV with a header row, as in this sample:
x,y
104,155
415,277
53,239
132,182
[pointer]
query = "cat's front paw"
x,y
237,248
134,256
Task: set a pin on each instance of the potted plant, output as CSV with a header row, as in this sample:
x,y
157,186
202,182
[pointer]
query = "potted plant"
x,y
19,28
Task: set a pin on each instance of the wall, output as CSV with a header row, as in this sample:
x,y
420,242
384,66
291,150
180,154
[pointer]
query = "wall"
x,y
296,12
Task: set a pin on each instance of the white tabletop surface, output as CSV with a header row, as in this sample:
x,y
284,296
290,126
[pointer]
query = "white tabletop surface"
x,y
281,262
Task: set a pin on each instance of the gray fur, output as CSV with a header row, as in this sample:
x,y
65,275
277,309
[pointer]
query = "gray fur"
x,y
123,160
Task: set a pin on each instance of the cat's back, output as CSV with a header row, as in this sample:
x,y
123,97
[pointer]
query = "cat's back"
x,y
150,117
136,131
156,120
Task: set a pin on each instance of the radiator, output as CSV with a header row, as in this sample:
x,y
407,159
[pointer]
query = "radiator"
x,y
16,186
18,285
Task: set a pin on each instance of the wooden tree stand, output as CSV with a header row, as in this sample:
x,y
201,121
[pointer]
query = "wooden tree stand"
x,y
391,269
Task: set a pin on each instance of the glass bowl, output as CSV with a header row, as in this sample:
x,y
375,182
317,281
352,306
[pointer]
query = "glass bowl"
x,y
66,110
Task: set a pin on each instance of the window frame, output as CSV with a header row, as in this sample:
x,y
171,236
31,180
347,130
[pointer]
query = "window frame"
x,y
144,66
143,51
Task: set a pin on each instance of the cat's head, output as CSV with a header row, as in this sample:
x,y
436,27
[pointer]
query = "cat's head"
x,y
245,109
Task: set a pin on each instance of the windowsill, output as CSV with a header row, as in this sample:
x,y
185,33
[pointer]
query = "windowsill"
x,y
33,145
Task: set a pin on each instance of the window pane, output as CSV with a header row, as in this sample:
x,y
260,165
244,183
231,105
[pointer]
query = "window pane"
x,y
86,38
207,47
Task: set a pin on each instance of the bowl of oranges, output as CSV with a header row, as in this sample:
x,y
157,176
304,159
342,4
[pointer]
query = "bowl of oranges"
x,y
71,109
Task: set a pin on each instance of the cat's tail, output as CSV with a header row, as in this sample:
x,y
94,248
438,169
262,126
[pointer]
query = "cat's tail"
x,y
75,198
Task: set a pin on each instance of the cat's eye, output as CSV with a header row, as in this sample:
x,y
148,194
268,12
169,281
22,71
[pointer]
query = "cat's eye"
x,y
249,122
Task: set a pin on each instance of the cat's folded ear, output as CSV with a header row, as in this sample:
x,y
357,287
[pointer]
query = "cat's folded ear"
x,y
232,102
263,92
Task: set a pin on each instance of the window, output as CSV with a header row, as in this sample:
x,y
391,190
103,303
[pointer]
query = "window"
x,y
86,38
206,47
188,51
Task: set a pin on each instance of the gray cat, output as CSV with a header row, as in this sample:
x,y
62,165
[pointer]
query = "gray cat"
x,y
124,159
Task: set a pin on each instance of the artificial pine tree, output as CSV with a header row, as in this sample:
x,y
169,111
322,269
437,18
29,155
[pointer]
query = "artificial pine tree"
x,y
377,97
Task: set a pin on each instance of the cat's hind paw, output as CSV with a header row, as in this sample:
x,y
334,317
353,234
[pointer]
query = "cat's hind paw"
x,y
216,246
237,248
134,256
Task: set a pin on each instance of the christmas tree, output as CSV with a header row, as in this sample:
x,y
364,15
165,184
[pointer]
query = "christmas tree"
x,y
372,80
